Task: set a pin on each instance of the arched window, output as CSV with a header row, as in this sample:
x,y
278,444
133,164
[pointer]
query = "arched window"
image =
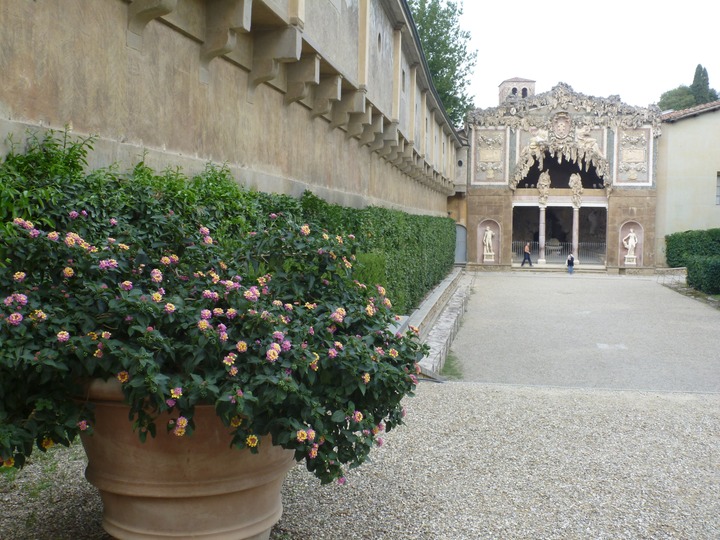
x,y
524,92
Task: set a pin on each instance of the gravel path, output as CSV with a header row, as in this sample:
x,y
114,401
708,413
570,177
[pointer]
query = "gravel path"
x,y
618,437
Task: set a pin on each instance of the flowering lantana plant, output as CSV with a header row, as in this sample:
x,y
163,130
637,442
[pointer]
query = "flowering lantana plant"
x,y
276,333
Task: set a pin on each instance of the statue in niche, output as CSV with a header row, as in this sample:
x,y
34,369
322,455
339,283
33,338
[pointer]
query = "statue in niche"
x,y
543,187
577,189
488,241
630,242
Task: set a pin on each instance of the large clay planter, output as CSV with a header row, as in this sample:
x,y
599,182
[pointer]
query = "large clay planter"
x,y
180,487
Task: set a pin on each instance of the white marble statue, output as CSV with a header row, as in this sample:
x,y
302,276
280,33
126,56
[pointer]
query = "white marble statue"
x,y
488,241
630,241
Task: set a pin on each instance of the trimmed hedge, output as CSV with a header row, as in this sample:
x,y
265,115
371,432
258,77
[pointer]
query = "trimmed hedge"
x,y
408,254
699,251
681,245
704,274
418,251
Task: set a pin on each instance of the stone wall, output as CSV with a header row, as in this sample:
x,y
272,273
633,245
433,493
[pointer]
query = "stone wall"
x,y
326,95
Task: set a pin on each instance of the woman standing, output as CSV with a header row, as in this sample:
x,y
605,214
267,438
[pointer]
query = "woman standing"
x,y
570,263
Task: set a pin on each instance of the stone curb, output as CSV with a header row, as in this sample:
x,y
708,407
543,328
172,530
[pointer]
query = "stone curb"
x,y
438,319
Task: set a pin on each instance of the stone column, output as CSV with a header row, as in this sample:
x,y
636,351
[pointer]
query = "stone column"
x,y
575,231
541,236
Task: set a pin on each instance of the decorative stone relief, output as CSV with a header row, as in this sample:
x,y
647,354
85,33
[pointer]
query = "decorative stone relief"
x,y
577,189
489,157
566,124
606,112
633,165
561,125
543,187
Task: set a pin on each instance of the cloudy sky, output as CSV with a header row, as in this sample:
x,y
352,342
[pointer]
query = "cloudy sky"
x,y
636,49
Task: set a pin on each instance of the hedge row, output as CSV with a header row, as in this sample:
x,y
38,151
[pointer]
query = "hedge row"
x,y
681,245
699,251
412,253
46,182
704,274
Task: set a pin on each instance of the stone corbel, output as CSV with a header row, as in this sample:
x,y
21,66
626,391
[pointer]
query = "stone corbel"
x,y
390,139
351,102
270,49
406,158
224,20
395,156
326,93
372,130
301,76
360,121
140,13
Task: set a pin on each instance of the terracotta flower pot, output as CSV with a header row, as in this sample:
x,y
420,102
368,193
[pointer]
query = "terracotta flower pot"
x,y
180,487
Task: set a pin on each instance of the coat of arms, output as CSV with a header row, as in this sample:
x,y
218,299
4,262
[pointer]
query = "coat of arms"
x,y
561,125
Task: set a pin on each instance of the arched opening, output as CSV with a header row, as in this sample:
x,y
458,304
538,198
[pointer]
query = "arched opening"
x,y
560,173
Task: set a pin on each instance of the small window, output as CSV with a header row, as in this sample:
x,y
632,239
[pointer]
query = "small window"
x,y
524,92
514,91
717,190
403,81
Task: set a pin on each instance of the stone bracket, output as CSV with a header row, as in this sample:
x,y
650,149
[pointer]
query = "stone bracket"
x,y
224,20
359,121
270,49
372,131
327,92
351,102
140,13
301,76
390,140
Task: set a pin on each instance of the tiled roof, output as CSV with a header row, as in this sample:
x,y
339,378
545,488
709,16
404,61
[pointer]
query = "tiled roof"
x,y
673,116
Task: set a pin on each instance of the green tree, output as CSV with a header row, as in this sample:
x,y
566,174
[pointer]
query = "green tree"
x,y
700,87
445,46
677,99
684,97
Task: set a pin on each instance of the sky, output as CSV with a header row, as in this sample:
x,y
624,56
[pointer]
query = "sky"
x,y
631,48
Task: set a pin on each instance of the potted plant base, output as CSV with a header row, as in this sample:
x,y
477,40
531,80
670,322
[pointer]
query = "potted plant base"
x,y
180,487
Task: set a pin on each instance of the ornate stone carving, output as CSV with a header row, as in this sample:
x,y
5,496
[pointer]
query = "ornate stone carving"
x,y
518,113
549,118
561,125
492,170
543,187
577,189
489,156
633,147
568,150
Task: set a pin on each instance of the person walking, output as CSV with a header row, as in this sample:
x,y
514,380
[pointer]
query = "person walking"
x,y
570,263
526,255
